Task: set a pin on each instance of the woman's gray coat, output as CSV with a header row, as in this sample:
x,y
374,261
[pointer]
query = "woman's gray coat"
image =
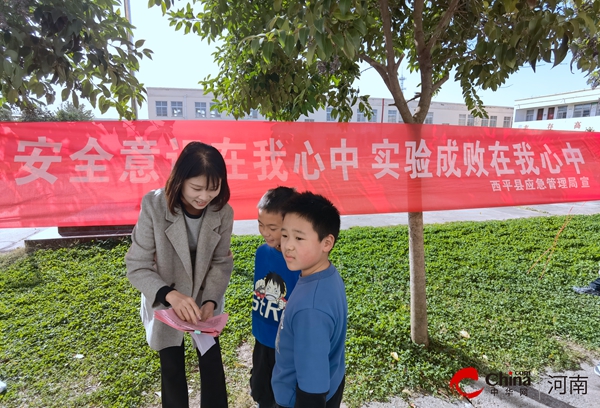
x,y
159,256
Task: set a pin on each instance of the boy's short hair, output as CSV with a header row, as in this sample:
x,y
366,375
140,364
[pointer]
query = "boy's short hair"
x,y
317,210
274,199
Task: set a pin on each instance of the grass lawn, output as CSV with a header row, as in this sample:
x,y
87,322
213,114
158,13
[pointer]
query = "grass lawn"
x,y
70,333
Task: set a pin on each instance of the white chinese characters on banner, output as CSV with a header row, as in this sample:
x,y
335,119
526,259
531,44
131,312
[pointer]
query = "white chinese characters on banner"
x,y
446,162
573,156
271,159
344,161
383,152
304,157
473,159
91,167
525,158
36,157
417,160
550,183
499,160
548,157
232,160
139,161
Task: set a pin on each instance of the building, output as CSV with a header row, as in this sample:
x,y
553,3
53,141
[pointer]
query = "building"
x,y
577,110
191,104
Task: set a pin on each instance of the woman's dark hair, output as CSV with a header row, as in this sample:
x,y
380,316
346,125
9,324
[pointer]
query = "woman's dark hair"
x,y
198,159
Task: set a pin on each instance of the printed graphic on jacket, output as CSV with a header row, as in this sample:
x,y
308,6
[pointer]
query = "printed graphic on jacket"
x,y
269,296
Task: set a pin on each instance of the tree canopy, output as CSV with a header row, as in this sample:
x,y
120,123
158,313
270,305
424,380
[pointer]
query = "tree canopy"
x,y
79,46
70,113
67,112
288,57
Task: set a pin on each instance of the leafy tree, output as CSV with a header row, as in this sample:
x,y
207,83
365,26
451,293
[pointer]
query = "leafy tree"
x,y
585,51
6,114
69,113
289,57
81,46
35,113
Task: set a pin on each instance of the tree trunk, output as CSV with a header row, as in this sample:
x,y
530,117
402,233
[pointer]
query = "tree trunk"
x,y
389,74
418,297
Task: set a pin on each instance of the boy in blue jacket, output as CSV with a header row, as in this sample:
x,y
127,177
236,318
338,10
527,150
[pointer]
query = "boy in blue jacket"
x,y
309,350
273,284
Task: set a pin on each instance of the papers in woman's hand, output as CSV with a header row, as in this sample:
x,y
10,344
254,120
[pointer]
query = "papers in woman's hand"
x,y
213,326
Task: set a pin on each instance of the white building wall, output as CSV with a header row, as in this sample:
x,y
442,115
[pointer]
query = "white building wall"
x,y
439,112
579,111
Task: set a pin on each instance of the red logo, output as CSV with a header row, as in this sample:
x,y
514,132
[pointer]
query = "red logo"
x,y
467,372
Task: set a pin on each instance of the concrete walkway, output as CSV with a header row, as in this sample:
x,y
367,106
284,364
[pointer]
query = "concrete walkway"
x,y
14,238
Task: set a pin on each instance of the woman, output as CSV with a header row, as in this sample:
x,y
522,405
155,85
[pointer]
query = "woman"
x,y
180,257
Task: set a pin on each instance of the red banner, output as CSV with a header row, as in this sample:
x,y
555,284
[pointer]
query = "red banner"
x,y
95,173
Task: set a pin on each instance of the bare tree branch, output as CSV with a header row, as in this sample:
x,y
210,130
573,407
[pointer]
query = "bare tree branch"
x,y
414,98
371,61
425,63
443,24
441,82
393,65
397,65
418,19
386,19
380,68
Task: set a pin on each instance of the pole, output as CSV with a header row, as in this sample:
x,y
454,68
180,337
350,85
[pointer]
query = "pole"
x,y
134,106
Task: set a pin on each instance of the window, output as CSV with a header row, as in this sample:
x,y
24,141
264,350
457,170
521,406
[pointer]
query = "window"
x,y
471,120
161,108
540,114
582,111
529,115
177,109
374,118
550,113
507,120
561,112
485,122
493,121
360,117
429,118
309,120
462,119
200,109
392,116
214,113
329,118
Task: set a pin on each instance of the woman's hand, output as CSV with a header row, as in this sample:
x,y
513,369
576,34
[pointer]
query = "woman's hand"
x,y
185,307
207,311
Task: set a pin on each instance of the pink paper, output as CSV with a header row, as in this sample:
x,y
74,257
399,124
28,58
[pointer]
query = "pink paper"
x,y
213,326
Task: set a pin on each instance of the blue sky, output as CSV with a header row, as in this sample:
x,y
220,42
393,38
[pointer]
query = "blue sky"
x,y
180,61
